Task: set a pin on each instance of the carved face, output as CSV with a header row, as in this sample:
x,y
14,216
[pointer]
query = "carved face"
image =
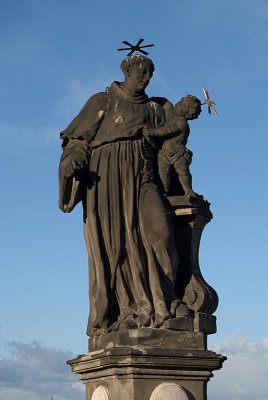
x,y
138,77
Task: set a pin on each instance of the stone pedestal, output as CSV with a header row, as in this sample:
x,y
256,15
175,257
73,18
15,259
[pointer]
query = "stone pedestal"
x,y
167,363
190,217
146,373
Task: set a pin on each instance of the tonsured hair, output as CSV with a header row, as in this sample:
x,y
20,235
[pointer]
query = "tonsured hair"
x,y
138,59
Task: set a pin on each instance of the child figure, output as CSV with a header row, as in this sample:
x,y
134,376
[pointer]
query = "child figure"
x,y
173,154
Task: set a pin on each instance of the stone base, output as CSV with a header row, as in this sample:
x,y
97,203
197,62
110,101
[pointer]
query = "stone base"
x,y
205,323
149,338
179,324
147,373
193,335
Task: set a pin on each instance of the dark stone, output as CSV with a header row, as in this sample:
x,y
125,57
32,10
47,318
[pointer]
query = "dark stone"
x,y
147,302
125,158
205,323
109,162
179,324
150,338
191,216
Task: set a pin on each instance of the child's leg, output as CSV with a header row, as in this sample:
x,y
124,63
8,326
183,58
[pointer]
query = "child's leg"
x,y
182,168
164,169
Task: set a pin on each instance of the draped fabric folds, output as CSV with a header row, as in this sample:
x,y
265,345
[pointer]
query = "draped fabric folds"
x,y
127,223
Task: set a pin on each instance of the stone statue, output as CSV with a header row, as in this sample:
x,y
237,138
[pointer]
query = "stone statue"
x,y
109,164
150,308
173,154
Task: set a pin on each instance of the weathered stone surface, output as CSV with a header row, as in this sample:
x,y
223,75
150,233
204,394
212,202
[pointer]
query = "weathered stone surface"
x,y
179,324
134,374
170,391
205,323
125,158
149,338
101,393
117,155
191,216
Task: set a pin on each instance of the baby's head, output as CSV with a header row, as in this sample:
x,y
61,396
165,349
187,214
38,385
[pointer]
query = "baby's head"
x,y
188,107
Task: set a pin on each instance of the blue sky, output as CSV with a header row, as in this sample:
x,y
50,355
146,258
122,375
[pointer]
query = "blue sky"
x,y
56,54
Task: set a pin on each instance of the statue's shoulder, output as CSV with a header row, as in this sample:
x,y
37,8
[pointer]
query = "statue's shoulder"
x,y
87,116
96,98
165,104
162,101
99,95
96,102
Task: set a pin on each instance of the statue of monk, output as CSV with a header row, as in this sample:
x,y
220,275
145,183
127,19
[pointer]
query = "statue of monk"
x,y
108,163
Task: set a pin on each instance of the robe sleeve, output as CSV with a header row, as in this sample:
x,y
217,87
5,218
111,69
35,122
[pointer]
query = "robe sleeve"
x,y
76,138
72,189
85,125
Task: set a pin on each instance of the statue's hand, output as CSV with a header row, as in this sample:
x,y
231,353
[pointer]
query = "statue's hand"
x,y
75,158
74,162
146,131
161,131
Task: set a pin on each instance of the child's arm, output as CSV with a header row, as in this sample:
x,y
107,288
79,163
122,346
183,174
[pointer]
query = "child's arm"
x,y
169,128
160,131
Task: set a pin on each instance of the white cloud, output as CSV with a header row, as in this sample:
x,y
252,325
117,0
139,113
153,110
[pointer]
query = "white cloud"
x,y
38,372
245,372
7,393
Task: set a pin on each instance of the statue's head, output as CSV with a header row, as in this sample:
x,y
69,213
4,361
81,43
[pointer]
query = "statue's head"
x,y
188,107
138,71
